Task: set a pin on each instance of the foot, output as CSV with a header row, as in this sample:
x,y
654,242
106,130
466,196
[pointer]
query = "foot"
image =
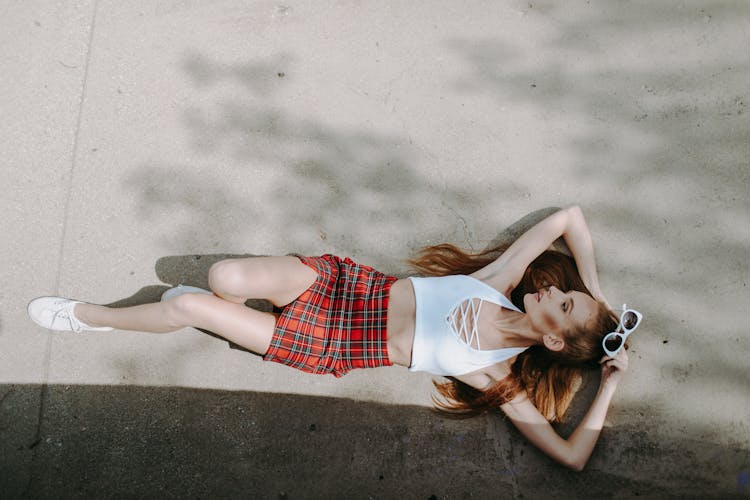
x,y
180,289
57,313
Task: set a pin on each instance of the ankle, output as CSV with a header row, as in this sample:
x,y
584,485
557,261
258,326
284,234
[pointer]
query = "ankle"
x,y
81,312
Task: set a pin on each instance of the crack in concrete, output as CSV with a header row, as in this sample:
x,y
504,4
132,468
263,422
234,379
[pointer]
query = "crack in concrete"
x,y
2,399
69,188
504,450
467,232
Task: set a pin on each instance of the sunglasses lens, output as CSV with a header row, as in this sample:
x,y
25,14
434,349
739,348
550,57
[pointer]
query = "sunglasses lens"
x,y
613,342
629,319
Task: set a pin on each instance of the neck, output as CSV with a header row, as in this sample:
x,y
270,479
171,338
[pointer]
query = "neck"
x,y
515,330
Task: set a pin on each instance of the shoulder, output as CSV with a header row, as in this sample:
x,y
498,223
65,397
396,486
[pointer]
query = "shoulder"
x,y
497,278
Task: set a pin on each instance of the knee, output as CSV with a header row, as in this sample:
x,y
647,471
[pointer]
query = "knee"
x,y
181,310
225,277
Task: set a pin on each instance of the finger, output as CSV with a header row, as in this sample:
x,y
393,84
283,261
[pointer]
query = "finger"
x,y
617,364
623,359
615,361
606,358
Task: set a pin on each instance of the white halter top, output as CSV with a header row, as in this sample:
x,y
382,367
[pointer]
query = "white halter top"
x,y
446,339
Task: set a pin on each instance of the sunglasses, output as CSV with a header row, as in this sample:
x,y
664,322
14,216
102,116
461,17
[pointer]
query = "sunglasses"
x,y
629,321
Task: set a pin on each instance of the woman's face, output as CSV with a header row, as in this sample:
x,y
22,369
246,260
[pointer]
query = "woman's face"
x,y
552,311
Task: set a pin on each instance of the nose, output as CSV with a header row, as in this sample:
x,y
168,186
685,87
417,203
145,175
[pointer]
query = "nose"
x,y
554,291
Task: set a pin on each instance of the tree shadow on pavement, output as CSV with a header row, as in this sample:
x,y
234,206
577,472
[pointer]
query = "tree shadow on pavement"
x,y
300,182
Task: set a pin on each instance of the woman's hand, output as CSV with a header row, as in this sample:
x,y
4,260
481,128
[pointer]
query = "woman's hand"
x,y
614,368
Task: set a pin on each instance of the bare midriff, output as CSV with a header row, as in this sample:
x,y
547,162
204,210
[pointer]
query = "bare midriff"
x,y
401,322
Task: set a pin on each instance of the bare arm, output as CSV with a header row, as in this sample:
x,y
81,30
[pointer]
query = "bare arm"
x,y
568,223
575,451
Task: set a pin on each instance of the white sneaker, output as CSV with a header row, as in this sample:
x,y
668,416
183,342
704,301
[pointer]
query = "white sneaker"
x,y
56,313
180,289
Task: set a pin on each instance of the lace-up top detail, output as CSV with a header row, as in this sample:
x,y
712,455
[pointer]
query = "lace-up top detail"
x,y
446,332
463,313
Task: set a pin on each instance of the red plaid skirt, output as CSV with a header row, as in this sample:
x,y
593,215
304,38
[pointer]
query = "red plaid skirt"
x,y
337,324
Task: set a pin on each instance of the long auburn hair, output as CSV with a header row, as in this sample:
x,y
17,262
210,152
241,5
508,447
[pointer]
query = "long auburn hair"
x,y
550,378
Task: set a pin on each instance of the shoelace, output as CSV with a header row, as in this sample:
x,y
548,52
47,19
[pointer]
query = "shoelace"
x,y
66,313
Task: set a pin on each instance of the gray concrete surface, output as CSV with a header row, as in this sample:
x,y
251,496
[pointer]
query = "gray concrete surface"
x,y
145,139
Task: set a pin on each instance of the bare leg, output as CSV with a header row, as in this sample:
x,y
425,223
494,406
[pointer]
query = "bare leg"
x,y
246,327
278,279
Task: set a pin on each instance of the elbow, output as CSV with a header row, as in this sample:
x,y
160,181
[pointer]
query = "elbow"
x,y
576,465
574,459
574,210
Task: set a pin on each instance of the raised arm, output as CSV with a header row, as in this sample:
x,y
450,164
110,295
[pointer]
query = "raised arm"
x,y
575,451
567,223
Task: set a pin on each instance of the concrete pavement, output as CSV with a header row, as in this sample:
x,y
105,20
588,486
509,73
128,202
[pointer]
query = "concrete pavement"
x,y
145,140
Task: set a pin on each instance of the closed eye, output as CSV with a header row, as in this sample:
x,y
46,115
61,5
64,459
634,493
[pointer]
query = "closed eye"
x,y
567,307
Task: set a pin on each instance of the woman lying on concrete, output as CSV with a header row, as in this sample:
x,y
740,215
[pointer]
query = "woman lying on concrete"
x,y
524,357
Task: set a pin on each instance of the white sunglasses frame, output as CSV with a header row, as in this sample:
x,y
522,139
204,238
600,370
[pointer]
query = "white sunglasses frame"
x,y
625,332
